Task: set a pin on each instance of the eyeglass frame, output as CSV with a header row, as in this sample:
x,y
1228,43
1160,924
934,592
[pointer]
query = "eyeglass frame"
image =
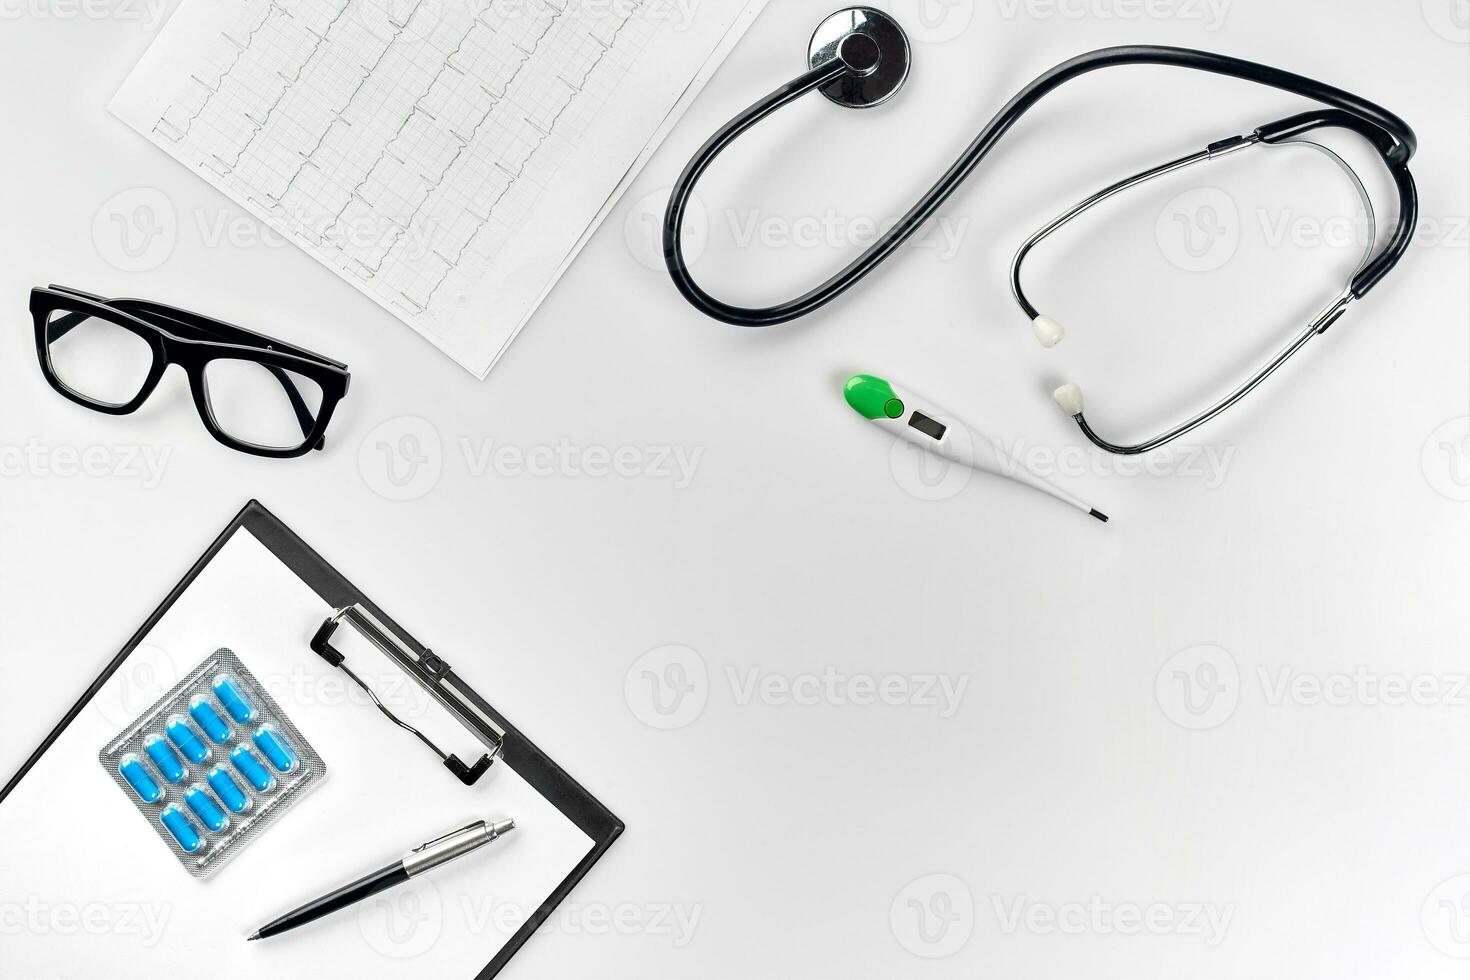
x,y
191,341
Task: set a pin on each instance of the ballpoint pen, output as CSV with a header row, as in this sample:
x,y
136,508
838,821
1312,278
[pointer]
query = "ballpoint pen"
x,y
422,859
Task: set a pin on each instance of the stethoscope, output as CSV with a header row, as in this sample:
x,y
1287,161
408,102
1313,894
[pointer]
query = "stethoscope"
x,y
860,58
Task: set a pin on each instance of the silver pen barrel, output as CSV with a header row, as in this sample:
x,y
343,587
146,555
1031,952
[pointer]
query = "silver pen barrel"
x,y
435,853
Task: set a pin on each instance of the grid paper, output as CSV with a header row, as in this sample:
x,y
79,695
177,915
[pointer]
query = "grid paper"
x,y
423,149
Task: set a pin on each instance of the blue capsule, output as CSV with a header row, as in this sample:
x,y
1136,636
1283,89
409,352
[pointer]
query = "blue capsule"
x,y
164,758
228,791
178,825
234,700
206,809
185,740
208,719
249,767
275,748
140,779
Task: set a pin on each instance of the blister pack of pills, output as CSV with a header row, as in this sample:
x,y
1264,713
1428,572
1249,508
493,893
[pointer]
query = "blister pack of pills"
x,y
213,763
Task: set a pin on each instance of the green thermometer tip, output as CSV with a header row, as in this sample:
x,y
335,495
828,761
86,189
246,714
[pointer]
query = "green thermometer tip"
x,y
872,398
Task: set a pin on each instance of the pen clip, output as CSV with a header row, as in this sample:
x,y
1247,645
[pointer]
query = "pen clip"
x,y
477,825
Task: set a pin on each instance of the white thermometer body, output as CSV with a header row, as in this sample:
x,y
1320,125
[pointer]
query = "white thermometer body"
x,y
915,420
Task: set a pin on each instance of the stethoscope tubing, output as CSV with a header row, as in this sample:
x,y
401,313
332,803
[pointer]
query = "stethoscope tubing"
x,y
684,187
1393,137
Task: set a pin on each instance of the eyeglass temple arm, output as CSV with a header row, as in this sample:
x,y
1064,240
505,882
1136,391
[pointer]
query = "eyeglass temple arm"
x,y
304,418
62,326
217,329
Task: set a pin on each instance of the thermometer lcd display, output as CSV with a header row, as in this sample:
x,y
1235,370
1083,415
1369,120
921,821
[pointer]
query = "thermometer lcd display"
x,y
928,426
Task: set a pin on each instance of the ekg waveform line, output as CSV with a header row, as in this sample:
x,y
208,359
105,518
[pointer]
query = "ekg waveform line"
x,y
489,109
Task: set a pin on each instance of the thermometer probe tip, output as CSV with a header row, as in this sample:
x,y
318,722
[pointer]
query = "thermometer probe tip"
x,y
1099,515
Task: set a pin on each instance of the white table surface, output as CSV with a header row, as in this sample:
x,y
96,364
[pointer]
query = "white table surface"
x,y
1070,808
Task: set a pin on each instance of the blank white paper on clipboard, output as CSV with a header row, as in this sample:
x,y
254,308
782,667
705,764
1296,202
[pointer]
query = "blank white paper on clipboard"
x,y
74,849
449,158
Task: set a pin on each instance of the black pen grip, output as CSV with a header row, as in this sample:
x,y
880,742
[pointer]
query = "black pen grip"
x,y
362,888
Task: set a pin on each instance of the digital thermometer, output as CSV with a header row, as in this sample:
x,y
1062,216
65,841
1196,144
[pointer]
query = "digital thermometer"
x,y
909,417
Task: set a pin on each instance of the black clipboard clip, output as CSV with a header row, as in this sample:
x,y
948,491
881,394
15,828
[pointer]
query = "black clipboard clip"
x,y
430,672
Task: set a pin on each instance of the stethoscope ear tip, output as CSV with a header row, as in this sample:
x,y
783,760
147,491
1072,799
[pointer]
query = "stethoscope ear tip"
x,y
1069,397
1049,332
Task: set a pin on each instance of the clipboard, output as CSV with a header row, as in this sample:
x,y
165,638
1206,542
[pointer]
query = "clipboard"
x,y
510,767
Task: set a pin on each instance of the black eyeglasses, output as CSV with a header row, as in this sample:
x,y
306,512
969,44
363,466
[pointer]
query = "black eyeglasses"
x,y
255,394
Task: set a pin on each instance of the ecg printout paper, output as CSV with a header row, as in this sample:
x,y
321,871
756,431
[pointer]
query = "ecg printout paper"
x,y
448,158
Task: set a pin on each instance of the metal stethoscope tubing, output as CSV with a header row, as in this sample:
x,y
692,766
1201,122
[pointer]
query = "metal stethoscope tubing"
x,y
848,57
1397,155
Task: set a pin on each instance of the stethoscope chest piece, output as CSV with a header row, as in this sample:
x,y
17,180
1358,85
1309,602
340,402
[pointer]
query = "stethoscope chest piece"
x,y
875,49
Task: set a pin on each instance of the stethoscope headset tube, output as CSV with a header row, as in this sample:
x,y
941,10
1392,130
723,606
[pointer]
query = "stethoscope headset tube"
x,y
1389,135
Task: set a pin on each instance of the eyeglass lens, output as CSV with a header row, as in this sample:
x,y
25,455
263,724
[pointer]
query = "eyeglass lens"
x,y
96,358
261,404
